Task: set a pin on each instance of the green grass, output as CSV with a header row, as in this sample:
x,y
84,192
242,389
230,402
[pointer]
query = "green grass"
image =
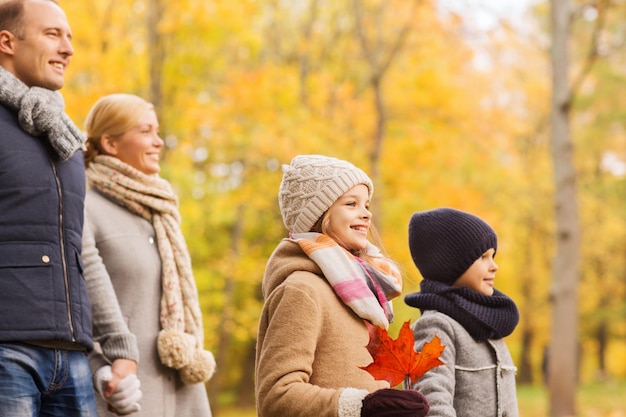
x,y
607,399
532,401
235,412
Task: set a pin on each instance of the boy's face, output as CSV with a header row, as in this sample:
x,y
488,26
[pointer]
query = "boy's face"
x,y
480,275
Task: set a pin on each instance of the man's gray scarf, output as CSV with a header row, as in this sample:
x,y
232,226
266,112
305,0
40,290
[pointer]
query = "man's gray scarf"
x,y
40,113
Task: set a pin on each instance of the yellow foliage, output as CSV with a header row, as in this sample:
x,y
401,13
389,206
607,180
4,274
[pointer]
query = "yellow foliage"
x,y
246,85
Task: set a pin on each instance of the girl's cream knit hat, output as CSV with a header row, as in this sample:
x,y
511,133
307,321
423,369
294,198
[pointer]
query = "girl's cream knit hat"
x,y
311,184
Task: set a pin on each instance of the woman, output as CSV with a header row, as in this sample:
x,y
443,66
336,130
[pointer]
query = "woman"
x,y
132,216
321,285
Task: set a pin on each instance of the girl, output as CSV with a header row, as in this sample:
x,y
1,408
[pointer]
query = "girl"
x,y
320,287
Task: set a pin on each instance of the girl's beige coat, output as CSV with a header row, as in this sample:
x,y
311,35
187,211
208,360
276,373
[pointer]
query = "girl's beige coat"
x,y
310,345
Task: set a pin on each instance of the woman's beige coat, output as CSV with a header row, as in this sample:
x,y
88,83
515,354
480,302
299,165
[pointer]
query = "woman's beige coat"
x,y
126,244
310,346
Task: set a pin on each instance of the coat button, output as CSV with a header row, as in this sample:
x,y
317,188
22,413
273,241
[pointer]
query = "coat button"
x,y
151,240
45,259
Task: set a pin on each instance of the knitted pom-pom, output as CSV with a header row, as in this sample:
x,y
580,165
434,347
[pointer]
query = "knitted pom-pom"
x,y
176,348
200,370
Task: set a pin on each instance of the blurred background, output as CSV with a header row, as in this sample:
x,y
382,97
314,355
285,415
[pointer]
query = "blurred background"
x,y
443,103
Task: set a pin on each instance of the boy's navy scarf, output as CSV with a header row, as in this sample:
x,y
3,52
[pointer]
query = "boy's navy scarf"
x,y
484,317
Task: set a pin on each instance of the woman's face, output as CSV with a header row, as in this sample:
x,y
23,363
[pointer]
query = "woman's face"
x,y
349,218
140,147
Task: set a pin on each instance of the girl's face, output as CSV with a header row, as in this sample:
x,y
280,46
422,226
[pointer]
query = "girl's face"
x,y
348,219
141,146
480,275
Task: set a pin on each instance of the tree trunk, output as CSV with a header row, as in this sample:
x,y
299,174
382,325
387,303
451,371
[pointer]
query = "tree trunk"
x,y
245,386
379,56
602,336
379,136
562,355
305,55
156,52
601,331
525,374
225,335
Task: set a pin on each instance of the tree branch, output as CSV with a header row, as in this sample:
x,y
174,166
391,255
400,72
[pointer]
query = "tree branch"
x,y
592,55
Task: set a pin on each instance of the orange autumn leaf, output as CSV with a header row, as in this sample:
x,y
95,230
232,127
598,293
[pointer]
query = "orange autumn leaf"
x,y
396,360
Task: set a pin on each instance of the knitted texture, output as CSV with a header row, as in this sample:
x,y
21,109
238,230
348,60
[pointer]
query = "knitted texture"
x,y
151,197
351,402
40,113
395,403
445,242
311,184
364,287
483,316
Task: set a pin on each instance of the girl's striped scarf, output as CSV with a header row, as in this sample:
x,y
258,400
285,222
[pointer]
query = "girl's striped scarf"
x,y
181,339
365,287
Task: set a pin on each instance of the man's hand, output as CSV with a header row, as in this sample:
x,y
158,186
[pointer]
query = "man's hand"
x,y
119,386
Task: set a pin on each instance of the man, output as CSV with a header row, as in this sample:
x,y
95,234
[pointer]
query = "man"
x,y
45,313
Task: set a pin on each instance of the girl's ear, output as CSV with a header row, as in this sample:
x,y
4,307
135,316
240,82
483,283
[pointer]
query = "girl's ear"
x,y
108,145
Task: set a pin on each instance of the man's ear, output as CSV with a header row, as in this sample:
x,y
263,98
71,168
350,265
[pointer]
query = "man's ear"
x,y
7,42
108,145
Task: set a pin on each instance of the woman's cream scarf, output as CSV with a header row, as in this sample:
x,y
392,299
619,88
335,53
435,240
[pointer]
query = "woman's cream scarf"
x,y
180,342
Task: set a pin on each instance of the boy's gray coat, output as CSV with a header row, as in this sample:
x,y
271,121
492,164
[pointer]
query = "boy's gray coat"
x,y
478,378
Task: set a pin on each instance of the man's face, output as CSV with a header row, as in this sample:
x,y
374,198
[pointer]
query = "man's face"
x,y
43,52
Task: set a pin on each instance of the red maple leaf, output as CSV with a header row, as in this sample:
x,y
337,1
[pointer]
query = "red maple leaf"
x,y
396,360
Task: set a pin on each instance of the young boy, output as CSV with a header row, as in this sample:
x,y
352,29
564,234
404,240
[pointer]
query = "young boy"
x,y
454,252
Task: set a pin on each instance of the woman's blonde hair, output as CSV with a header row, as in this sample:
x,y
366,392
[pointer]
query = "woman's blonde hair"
x,y
112,115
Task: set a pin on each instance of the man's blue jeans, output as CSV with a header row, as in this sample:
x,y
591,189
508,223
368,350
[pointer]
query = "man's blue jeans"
x,y
36,381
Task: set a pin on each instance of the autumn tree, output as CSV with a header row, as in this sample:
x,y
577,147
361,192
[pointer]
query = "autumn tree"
x,y
601,136
439,114
155,54
563,351
381,29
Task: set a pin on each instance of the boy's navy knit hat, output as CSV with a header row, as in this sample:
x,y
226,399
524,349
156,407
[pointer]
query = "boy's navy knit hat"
x,y
445,242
